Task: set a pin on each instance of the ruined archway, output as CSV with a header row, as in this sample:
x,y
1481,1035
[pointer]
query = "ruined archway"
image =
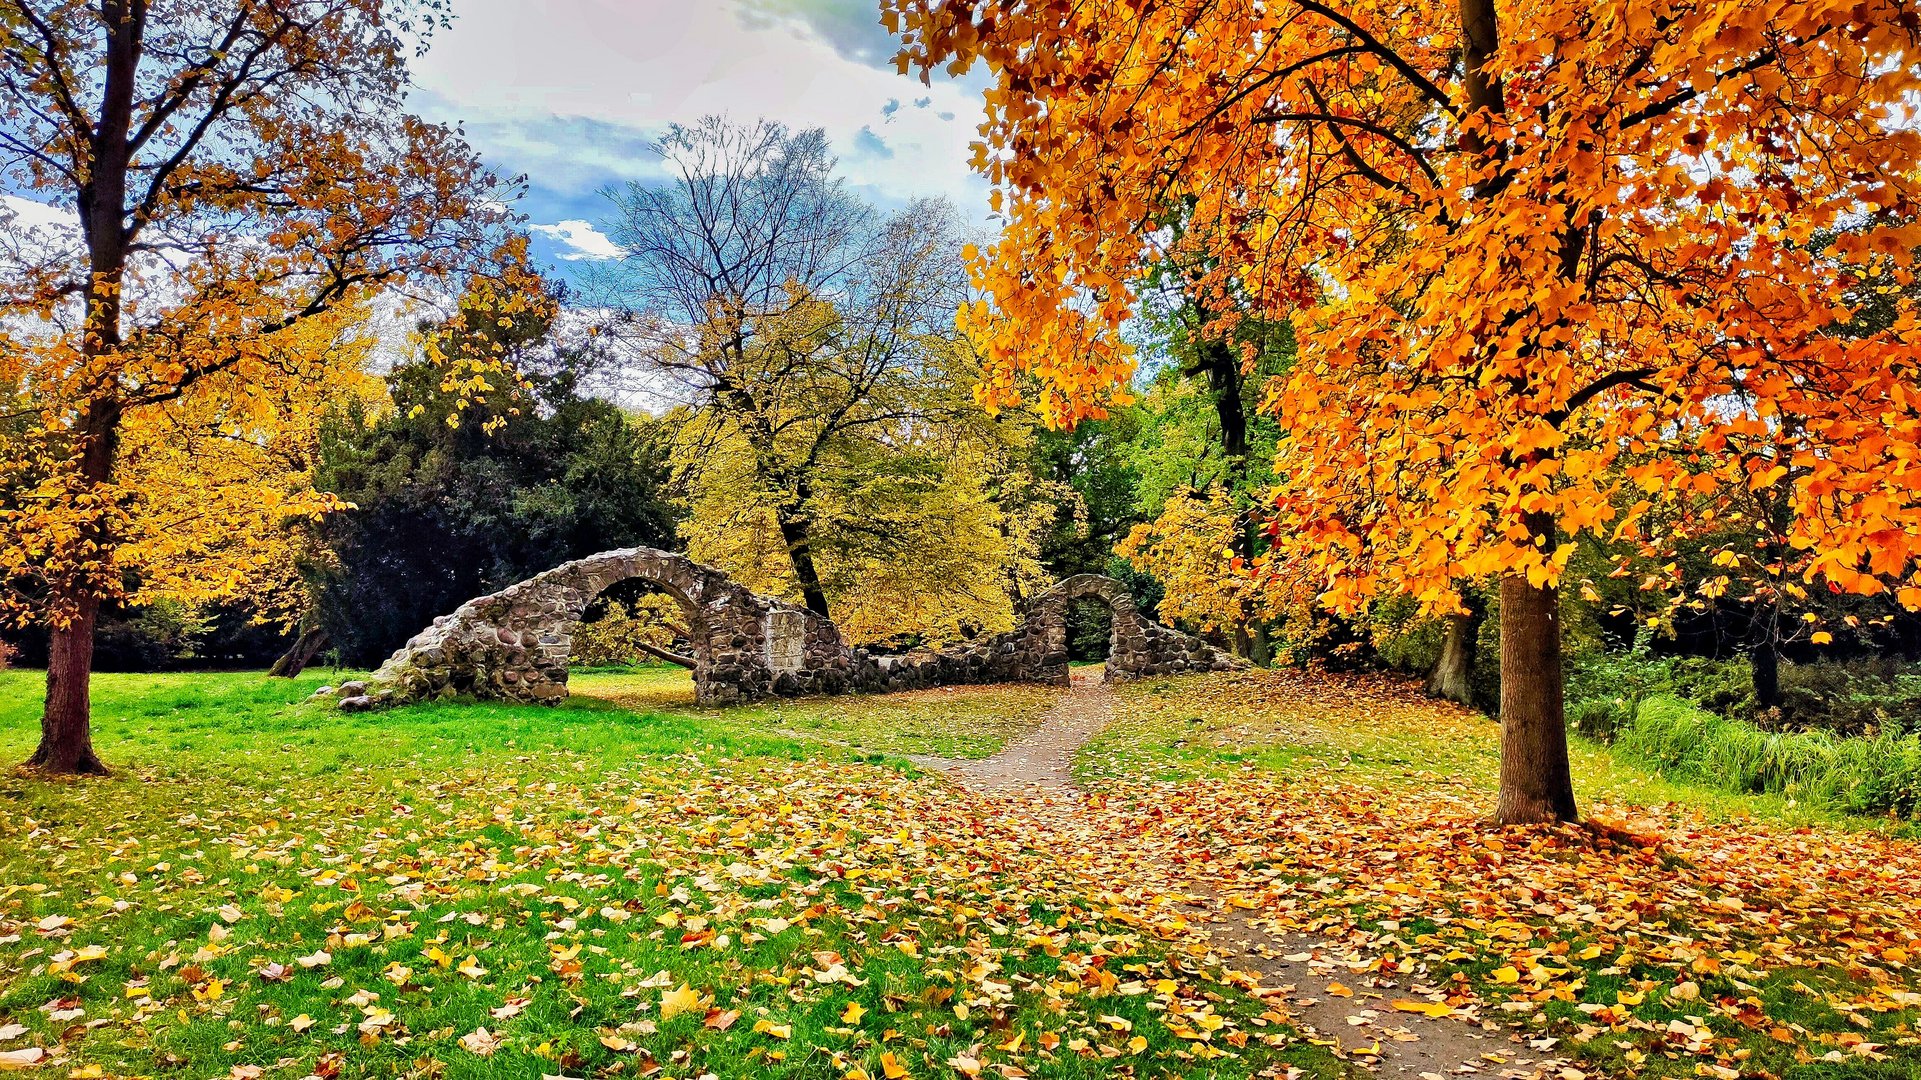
x,y
514,645
1138,646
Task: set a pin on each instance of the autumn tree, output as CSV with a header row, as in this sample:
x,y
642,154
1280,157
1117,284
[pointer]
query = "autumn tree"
x,y
236,167
1548,263
812,337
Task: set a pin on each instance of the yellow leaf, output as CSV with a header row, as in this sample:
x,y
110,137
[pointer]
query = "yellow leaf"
x,y
852,1013
675,1002
1425,1008
1506,975
891,1068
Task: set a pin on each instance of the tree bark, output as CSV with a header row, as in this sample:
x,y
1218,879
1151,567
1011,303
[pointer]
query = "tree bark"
x,y
295,660
1536,785
66,720
1764,656
66,731
1450,677
687,662
793,531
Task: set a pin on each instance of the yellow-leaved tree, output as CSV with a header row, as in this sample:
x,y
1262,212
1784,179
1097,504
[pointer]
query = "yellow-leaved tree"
x,y
214,478
235,168
831,447
1549,263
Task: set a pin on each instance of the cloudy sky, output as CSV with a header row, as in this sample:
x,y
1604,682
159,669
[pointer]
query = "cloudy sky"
x,y
572,92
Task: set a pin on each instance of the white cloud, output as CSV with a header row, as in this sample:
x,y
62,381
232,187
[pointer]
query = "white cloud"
x,y
38,216
582,240
542,69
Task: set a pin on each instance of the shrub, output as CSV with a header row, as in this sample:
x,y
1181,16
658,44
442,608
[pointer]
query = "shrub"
x,y
7,655
1851,698
1864,775
1601,719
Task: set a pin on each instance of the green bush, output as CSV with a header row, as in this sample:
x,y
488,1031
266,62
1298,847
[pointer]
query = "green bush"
x,y
1851,698
1880,774
1601,719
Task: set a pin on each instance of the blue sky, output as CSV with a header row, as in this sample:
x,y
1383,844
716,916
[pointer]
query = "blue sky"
x,y
572,92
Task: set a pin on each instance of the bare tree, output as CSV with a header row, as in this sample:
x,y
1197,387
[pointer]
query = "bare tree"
x,y
784,309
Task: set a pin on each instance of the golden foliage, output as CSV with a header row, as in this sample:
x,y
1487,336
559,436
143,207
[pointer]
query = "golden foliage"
x,y
205,483
1547,270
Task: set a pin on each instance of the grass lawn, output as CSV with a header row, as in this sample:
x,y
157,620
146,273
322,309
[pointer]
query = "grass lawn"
x,y
952,722
273,888
629,885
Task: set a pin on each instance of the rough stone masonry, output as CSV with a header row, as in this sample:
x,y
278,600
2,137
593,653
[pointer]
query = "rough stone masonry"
x,y
513,645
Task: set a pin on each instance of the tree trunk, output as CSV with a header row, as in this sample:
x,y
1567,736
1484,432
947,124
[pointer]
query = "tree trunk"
x,y
1450,677
1263,651
66,723
1764,657
295,660
656,651
66,732
1535,783
793,530
66,720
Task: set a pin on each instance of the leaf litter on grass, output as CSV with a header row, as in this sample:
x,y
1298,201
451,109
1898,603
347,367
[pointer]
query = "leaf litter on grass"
x,y
762,917
746,918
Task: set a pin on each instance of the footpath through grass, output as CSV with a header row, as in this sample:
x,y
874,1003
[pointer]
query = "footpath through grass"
x,y
269,888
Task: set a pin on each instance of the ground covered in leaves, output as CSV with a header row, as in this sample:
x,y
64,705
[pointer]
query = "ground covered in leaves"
x,y
629,886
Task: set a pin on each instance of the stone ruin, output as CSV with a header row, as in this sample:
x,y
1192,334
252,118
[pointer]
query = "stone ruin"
x,y
513,645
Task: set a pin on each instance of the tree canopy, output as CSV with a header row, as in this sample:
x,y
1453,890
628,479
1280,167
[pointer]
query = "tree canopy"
x,y
1549,264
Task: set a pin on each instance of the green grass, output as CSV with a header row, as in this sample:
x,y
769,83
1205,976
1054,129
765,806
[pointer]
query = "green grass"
x,y
1862,775
951,722
591,860
1379,732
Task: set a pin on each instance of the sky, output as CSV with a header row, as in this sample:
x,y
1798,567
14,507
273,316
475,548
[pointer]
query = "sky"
x,y
571,93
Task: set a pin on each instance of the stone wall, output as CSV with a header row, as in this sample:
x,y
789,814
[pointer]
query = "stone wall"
x,y
513,645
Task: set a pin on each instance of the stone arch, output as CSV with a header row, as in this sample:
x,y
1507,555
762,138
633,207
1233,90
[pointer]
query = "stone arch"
x,y
1138,645
513,645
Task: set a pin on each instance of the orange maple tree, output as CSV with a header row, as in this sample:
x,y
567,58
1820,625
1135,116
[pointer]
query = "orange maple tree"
x,y
237,167
1550,263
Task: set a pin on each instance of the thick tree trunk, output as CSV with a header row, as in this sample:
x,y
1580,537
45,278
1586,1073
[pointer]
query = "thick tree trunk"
x,y
295,660
1535,782
66,732
66,720
793,531
1450,677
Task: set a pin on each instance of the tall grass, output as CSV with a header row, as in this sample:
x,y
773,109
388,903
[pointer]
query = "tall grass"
x,y
1878,774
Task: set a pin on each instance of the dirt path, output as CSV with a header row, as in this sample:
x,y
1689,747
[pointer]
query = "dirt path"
x,y
1335,995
